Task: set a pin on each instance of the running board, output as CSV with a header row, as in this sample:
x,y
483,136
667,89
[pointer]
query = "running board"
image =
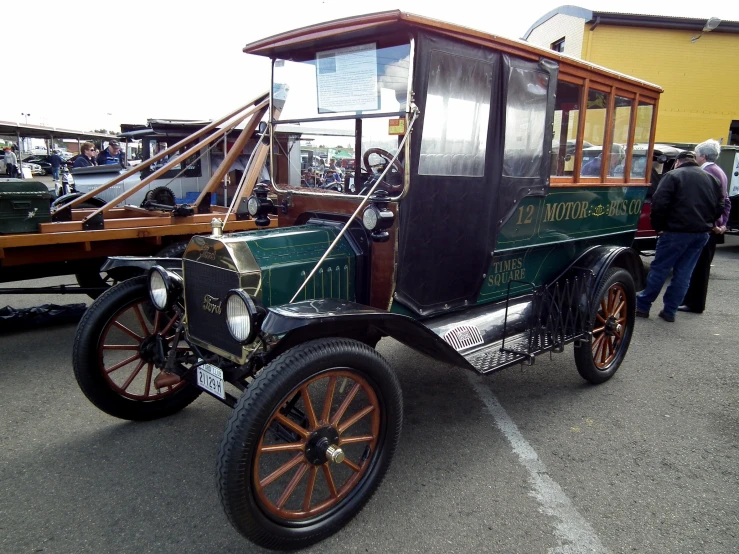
x,y
521,348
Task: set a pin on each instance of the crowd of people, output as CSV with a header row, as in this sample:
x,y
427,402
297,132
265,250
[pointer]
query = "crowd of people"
x,y
690,210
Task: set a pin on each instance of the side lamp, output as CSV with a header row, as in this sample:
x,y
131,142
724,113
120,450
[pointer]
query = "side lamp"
x,y
377,218
259,206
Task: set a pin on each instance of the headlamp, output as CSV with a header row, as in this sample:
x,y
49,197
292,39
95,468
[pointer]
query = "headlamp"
x,y
164,288
241,316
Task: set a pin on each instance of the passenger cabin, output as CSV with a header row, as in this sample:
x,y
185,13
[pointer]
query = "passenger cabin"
x,y
516,159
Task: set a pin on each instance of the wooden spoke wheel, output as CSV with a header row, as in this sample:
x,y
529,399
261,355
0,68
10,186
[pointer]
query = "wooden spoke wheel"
x,y
121,345
613,308
309,442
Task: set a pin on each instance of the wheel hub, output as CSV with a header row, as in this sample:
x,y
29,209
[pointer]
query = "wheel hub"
x,y
152,349
612,326
322,446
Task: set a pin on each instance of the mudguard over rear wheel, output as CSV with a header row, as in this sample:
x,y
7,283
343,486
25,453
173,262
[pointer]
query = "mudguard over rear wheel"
x,y
115,352
309,442
613,309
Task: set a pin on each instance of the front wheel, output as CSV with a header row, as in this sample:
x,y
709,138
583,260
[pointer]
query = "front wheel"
x,y
612,323
117,352
309,442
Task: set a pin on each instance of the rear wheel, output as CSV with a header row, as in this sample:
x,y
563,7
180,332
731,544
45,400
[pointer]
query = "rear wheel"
x,y
612,322
309,442
117,353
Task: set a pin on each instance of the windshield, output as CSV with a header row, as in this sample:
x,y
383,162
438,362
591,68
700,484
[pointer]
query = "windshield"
x,y
342,120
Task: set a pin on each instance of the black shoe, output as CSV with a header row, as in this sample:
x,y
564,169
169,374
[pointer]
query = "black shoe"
x,y
686,308
668,318
639,313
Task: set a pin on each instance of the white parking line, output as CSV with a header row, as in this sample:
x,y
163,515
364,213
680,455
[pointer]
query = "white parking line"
x,y
574,533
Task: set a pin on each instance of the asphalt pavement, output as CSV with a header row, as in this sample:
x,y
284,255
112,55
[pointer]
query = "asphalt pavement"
x,y
530,460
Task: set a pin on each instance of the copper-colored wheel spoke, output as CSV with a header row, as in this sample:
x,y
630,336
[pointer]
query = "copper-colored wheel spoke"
x,y
282,470
309,488
309,412
351,464
149,371
345,404
128,331
600,318
329,399
283,447
120,347
132,376
356,417
141,320
604,307
290,424
619,307
599,330
123,363
291,485
354,440
169,325
156,321
329,480
597,343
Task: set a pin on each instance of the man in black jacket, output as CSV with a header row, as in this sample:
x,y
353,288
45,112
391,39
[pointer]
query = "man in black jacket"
x,y
687,202
112,155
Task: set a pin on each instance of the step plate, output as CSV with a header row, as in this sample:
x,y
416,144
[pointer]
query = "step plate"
x,y
491,358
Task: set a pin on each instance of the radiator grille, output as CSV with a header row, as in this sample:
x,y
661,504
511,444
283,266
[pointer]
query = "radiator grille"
x,y
464,336
207,286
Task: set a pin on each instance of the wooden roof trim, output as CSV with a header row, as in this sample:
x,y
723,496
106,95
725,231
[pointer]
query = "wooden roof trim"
x,y
295,38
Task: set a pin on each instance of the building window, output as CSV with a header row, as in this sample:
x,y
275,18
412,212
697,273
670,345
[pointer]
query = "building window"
x,y
558,45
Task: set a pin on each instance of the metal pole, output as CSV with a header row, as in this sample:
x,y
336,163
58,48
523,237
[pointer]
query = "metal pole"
x,y
225,175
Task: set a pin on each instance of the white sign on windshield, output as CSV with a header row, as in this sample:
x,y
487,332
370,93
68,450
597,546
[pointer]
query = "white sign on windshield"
x,y
347,79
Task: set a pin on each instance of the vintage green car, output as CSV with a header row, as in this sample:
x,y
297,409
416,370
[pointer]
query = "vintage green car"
x,y
464,233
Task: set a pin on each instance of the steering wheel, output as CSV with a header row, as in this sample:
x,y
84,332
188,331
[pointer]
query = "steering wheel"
x,y
396,170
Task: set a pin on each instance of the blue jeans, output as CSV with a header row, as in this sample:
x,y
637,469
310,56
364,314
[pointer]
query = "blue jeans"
x,y
678,252
55,173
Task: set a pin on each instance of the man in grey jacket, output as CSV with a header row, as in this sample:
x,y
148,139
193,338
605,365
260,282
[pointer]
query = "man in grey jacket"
x,y
684,208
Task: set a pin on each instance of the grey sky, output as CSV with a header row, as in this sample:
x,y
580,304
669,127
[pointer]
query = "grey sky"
x,y
138,59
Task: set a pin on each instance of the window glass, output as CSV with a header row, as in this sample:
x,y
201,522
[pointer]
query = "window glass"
x,y
595,132
526,111
566,117
641,140
455,125
360,79
189,167
619,136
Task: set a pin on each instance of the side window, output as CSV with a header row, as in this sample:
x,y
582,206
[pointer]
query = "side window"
x,y
566,117
455,126
526,111
596,117
641,136
619,136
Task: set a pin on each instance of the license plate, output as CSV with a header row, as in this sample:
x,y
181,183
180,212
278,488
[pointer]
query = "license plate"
x,y
210,378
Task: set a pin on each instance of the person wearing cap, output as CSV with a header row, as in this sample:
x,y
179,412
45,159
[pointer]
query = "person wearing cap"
x,y
56,162
11,162
706,154
684,208
112,155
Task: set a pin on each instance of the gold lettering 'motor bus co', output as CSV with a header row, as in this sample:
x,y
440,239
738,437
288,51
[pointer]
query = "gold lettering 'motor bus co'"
x,y
560,211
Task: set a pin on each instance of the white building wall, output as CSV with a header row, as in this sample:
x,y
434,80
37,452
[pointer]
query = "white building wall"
x,y
567,26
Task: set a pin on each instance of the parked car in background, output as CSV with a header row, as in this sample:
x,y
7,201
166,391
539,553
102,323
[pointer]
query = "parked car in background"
x,y
33,167
45,164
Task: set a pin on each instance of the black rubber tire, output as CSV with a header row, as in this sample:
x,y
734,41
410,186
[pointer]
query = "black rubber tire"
x,y
254,410
160,195
583,352
87,368
174,250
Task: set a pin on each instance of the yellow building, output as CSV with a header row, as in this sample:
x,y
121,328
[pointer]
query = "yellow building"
x,y
698,70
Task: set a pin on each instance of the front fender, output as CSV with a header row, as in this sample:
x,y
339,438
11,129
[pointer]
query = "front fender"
x,y
312,319
144,263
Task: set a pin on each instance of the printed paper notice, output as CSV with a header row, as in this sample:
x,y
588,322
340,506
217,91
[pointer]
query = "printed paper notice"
x,y
347,79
